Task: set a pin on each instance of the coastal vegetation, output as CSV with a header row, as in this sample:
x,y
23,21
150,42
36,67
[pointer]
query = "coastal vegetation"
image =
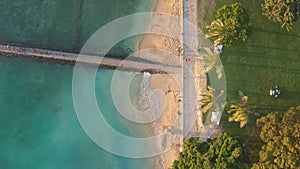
x,y
231,24
269,57
281,11
240,109
280,133
222,152
278,146
209,99
212,61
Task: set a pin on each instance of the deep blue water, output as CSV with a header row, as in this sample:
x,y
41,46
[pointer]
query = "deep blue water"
x,y
64,24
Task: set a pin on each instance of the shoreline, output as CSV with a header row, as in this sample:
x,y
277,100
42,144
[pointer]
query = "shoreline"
x,y
172,96
140,38
165,83
159,47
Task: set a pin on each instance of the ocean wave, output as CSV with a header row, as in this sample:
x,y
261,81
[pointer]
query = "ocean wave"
x,y
149,102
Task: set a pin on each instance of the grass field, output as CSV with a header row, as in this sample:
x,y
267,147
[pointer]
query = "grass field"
x,y
269,57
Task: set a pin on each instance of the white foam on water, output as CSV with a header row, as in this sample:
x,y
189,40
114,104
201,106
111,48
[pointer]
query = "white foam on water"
x,y
149,102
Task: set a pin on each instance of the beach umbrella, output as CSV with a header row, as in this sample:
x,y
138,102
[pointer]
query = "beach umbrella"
x,y
218,49
215,117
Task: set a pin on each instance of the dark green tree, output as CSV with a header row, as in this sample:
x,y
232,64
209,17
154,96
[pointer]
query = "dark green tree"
x,y
218,153
231,25
281,134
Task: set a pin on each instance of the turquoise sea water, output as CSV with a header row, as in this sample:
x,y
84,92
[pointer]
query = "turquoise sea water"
x,y
39,128
63,24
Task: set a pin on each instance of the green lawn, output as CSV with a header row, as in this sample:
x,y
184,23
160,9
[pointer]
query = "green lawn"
x,y
270,56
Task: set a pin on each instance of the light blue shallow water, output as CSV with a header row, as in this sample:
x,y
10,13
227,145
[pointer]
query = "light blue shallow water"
x,y
39,128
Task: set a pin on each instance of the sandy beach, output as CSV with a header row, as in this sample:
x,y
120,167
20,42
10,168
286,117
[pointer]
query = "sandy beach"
x,y
161,47
165,82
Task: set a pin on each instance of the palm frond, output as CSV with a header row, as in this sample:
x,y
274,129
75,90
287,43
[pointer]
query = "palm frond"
x,y
240,110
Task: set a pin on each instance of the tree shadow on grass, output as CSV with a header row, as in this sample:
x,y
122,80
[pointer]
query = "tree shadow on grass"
x,y
275,32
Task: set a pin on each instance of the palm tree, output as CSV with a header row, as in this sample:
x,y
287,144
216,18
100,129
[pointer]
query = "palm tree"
x,y
216,30
209,99
211,61
240,110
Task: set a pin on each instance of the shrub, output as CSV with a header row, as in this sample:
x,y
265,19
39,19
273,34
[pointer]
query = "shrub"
x,y
231,25
280,11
